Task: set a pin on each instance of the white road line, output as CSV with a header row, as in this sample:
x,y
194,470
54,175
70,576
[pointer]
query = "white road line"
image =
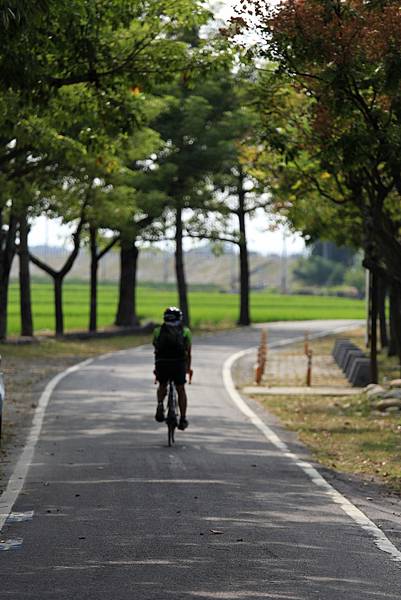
x,y
20,517
17,479
6,545
380,539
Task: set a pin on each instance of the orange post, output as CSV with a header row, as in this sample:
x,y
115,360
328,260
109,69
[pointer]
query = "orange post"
x,y
309,369
261,357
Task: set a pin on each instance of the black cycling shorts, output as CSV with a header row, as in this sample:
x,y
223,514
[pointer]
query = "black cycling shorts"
x,y
175,370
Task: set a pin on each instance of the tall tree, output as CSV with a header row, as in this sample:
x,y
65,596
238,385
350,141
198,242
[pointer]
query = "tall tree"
x,y
81,68
192,128
339,58
58,275
237,190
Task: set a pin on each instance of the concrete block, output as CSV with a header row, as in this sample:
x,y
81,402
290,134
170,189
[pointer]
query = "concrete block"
x,y
340,355
338,343
339,347
360,373
349,359
344,355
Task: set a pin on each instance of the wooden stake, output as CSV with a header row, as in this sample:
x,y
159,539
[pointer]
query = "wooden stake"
x,y
309,369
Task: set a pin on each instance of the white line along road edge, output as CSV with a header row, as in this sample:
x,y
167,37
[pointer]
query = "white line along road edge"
x,y
17,479
380,539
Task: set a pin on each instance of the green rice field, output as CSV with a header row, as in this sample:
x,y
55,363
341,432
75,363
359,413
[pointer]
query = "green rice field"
x,y
208,308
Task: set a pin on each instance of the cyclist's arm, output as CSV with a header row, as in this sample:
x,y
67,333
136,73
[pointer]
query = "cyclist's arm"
x,y
189,358
156,333
188,338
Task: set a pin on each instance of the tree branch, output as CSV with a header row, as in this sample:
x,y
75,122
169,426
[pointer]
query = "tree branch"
x,y
61,273
205,236
108,247
36,261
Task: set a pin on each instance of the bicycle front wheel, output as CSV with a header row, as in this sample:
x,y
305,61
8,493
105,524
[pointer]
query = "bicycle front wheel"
x,y
171,429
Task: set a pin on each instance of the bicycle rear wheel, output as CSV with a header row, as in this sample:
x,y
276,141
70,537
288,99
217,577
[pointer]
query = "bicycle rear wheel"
x,y
171,419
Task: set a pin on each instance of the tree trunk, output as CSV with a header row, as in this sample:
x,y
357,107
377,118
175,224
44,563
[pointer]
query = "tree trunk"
x,y
395,308
368,302
25,279
244,317
58,276
126,312
58,304
4,283
392,347
374,376
93,279
7,252
180,269
382,292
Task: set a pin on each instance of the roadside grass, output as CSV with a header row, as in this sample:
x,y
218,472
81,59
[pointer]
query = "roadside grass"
x,y
64,349
208,308
346,433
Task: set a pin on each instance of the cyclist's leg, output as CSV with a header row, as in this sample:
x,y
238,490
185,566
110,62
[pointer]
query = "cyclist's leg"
x,y
161,394
162,391
182,400
180,375
162,376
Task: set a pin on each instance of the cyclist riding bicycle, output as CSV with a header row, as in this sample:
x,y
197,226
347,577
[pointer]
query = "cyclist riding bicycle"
x,y
172,342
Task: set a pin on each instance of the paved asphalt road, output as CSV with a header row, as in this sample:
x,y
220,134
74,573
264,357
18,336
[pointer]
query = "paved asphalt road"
x,y
119,515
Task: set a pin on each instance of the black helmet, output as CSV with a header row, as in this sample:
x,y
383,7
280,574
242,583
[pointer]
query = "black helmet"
x,y
172,314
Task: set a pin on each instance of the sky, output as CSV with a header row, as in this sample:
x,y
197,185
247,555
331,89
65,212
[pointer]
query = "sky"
x,y
260,238
51,233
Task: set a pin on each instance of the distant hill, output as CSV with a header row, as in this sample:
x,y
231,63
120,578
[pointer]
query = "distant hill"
x,y
157,266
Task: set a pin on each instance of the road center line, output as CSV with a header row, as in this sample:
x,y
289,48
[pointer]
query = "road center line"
x,y
379,538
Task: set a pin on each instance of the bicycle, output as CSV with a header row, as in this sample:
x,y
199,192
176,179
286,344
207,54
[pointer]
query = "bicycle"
x,y
172,411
